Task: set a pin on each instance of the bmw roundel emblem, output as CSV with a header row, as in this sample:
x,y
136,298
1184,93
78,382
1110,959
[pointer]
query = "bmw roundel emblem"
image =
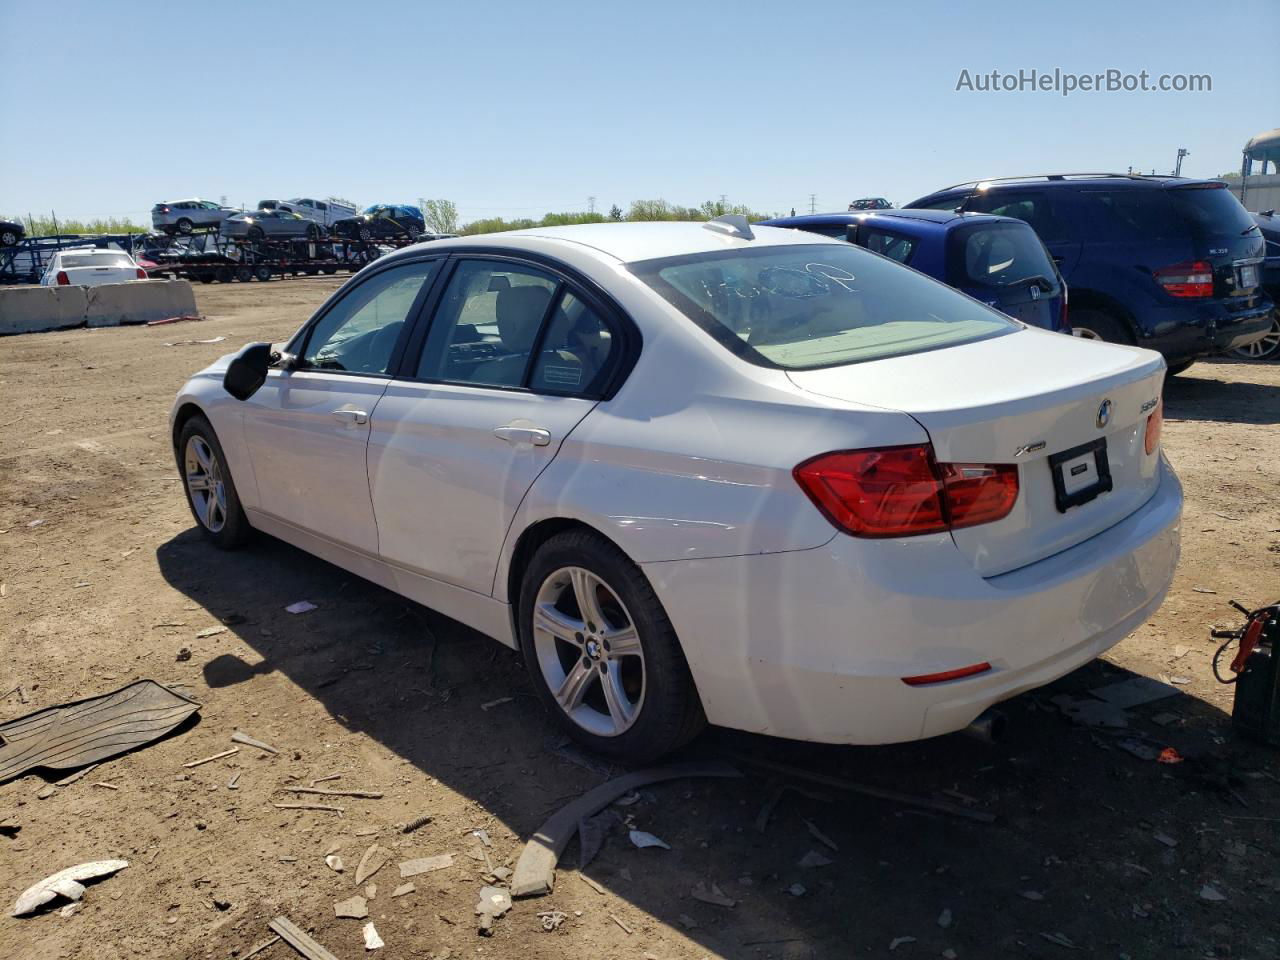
x,y
1104,414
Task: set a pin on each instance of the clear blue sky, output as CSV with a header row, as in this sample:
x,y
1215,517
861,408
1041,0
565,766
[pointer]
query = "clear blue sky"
x,y
518,108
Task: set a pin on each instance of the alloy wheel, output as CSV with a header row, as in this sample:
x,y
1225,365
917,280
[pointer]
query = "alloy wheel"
x,y
589,651
1265,348
1084,333
205,484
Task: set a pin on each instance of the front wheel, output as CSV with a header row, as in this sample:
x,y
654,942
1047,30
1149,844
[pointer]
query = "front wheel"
x,y
8,238
601,652
211,492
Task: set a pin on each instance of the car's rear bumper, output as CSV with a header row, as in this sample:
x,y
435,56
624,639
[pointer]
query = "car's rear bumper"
x,y
1201,329
813,644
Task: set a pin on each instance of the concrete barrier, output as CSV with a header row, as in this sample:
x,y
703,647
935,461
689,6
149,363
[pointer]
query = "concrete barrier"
x,y
33,309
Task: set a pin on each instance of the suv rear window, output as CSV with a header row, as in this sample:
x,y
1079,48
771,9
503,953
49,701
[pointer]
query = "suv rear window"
x,y
803,306
997,255
1212,210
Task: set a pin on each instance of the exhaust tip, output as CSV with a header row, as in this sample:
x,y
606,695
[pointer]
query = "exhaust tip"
x,y
988,726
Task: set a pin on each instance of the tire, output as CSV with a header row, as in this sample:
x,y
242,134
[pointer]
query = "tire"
x,y
654,707
262,273
1268,348
328,271
184,226
1176,368
365,234
244,274
222,274
256,235
8,239
1095,325
205,277
214,502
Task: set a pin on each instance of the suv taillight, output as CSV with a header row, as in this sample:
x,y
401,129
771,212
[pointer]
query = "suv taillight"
x,y
63,279
904,491
1193,278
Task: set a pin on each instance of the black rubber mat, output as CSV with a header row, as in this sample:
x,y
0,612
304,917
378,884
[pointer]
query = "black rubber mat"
x,y
88,731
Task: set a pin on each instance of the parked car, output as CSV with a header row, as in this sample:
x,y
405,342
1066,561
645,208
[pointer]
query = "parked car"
x,y
871,203
383,221
1268,348
91,267
276,224
183,216
706,471
998,260
1164,262
11,233
324,212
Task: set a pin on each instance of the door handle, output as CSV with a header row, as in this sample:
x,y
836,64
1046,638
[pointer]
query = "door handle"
x,y
534,435
351,417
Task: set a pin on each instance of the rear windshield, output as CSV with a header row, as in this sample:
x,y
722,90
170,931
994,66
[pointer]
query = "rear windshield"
x,y
817,305
998,255
96,260
1212,210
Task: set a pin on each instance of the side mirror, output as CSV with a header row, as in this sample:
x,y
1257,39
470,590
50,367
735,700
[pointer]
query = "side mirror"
x,y
247,371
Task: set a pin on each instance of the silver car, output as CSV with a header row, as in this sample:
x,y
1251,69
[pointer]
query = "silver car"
x,y
184,216
271,224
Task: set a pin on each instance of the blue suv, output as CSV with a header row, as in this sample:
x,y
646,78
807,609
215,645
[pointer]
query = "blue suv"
x,y
998,260
1169,263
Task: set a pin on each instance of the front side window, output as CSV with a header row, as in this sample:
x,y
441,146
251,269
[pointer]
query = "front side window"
x,y
804,306
360,331
892,245
487,324
998,255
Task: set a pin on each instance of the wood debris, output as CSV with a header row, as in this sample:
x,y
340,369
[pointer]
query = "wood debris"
x,y
216,756
322,792
309,806
292,935
249,741
618,920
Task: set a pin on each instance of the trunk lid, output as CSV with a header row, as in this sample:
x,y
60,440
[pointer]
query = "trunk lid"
x,y
1025,398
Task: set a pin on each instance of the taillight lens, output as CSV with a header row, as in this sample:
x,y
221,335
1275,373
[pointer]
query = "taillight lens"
x,y
142,274
1194,278
63,279
1155,421
903,491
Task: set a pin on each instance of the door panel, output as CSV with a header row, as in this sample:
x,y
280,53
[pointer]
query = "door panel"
x,y
444,485
307,444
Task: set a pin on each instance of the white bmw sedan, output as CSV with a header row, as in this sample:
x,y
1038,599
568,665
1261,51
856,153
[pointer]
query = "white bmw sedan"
x,y
706,472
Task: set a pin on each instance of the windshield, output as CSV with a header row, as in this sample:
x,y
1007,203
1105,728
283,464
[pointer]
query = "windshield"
x,y
998,255
1212,210
817,305
96,260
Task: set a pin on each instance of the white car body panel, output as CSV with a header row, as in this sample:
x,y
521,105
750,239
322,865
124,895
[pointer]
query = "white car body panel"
x,y
790,627
90,276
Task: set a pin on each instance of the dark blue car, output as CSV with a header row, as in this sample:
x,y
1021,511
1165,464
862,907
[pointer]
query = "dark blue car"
x,y
1169,263
998,260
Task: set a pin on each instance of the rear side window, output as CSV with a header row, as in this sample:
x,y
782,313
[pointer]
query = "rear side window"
x,y
997,255
576,350
1132,215
804,306
892,245
1033,207
1212,210
942,203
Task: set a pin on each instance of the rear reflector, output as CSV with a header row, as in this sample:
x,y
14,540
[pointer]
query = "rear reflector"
x,y
928,678
1154,422
142,274
1193,278
63,279
903,491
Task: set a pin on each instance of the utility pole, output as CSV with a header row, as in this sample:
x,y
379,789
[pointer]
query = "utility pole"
x,y
591,204
1182,152
724,202
813,203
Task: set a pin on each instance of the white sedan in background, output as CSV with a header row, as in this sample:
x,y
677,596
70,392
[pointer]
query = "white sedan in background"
x,y
706,472
90,267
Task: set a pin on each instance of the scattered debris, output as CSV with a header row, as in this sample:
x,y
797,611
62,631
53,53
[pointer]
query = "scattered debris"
x,y
1164,719
105,786
687,922
415,823
1142,751
641,839
820,836
592,832
496,703
292,935
1061,939
1169,755
302,606
371,939
373,860
1033,895
326,779
234,782
322,792
353,908
815,859
210,632
591,883
1164,838
712,895
1180,651
77,734
310,806
45,792
536,868
183,655
797,890
1180,681
67,781
260,947
896,942
65,883
494,901
1090,713
71,909
189,343
403,889
1211,894
164,321
334,863
551,919
248,741
618,920
216,756
9,826
411,868
1133,692
1203,590
944,918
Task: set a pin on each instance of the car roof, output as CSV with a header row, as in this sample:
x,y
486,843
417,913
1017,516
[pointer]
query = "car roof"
x,y
649,240
941,218
1066,181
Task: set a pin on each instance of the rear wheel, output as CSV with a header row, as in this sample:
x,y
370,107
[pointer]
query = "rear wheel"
x,y
8,238
262,272
222,274
244,274
1095,325
1268,348
601,652
1176,368
184,226
211,493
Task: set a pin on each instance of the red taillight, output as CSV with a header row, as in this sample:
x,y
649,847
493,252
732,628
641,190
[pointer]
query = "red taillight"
x,y
1193,278
142,274
1154,422
903,491
946,675
63,279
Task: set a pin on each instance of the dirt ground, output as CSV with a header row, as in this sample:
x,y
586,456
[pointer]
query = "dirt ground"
x,y
1093,851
